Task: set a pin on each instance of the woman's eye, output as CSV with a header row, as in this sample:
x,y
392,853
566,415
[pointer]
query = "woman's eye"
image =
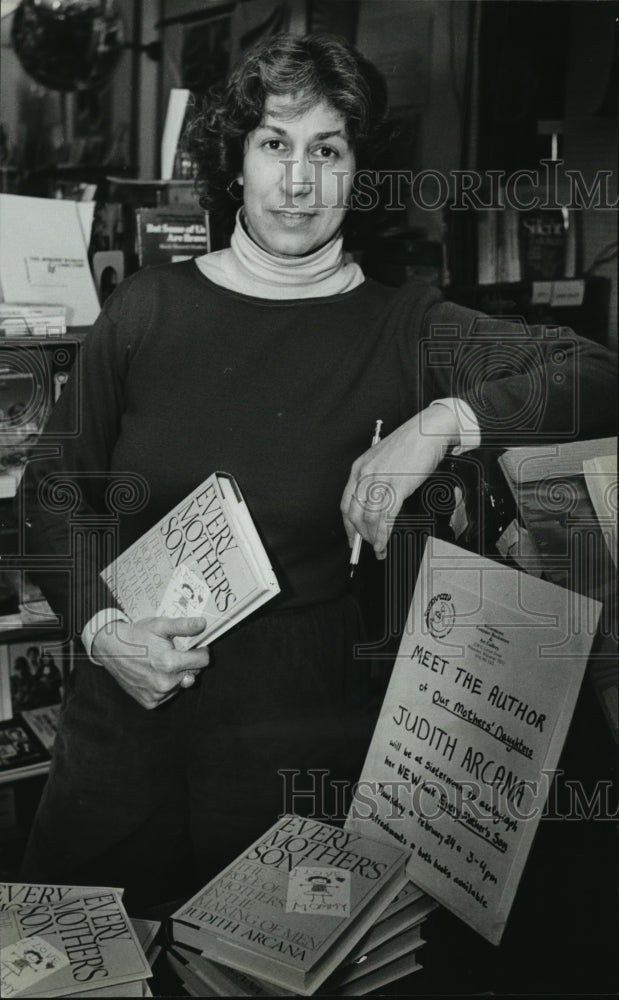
x,y
274,144
326,152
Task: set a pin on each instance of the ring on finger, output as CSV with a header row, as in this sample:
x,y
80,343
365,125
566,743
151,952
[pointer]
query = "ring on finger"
x,y
188,678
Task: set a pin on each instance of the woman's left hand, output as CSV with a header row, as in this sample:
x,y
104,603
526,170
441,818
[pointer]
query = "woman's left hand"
x,y
384,476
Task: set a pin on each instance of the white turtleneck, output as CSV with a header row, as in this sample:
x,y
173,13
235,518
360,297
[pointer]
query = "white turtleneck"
x,y
245,267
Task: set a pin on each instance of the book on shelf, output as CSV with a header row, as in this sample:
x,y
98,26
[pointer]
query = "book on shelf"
x,y
292,906
205,558
530,464
547,243
37,612
498,253
10,479
18,590
68,941
171,233
6,701
26,743
472,724
44,723
176,114
515,245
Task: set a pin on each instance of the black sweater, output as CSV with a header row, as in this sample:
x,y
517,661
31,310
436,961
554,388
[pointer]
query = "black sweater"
x,y
180,377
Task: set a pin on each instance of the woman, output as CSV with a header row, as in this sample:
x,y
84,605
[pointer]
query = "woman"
x,y
22,685
47,681
271,360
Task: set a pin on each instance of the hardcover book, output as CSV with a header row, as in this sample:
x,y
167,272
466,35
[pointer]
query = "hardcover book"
x,y
31,893
22,753
52,949
378,978
293,904
205,558
408,895
170,234
201,977
399,946
386,928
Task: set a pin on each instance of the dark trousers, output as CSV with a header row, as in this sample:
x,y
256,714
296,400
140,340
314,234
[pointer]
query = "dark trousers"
x,y
159,801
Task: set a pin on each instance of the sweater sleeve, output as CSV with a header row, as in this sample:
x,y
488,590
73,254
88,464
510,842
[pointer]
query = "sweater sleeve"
x,y
525,385
67,495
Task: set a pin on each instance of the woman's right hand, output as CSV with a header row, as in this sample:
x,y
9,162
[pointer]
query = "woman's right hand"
x,y
141,656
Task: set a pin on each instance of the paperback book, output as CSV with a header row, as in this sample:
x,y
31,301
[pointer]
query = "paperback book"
x,y
203,559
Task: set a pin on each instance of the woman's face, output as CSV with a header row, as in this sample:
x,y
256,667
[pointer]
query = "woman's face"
x,y
297,175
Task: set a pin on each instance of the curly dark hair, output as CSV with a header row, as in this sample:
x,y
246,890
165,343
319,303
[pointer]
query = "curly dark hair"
x,y
313,68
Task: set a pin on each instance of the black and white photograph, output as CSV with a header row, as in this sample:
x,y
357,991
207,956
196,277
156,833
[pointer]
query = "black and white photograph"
x,y
308,497
36,674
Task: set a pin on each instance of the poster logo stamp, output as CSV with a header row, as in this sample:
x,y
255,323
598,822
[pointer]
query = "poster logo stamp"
x,y
440,616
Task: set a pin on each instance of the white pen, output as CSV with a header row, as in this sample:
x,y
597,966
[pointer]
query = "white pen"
x,y
356,545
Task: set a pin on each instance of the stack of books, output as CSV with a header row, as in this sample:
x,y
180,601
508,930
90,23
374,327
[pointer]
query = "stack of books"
x,y
76,941
308,908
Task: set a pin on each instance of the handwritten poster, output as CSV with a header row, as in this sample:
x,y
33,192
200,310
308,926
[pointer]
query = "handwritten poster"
x,y
471,728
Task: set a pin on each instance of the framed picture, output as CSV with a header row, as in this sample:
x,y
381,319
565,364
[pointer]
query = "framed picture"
x,y
32,675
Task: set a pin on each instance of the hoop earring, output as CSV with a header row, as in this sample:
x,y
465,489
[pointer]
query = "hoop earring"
x,y
236,195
